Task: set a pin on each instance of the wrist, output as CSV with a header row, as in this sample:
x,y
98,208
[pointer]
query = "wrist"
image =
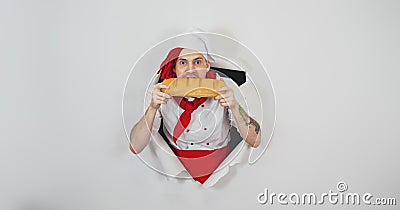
x,y
153,107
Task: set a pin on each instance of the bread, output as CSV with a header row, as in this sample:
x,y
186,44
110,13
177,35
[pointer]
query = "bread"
x,y
193,87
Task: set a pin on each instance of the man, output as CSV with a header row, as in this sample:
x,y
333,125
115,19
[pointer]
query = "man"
x,y
197,129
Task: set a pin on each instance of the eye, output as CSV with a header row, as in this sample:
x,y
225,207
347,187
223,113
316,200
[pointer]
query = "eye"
x,y
182,62
197,62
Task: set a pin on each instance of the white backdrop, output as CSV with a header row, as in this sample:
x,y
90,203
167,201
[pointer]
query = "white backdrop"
x,y
334,66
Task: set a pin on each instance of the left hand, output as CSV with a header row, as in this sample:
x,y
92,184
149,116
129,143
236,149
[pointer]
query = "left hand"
x,y
227,97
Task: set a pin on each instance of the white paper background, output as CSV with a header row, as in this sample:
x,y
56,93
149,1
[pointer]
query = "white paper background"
x,y
334,66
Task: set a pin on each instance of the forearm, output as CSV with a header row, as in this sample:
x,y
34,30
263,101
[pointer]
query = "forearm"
x,y
141,132
248,128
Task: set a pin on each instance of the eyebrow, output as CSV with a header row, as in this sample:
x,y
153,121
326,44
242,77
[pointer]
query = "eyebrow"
x,y
184,59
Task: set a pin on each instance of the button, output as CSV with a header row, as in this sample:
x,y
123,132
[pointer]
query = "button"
x,y
191,143
187,130
208,143
202,105
205,129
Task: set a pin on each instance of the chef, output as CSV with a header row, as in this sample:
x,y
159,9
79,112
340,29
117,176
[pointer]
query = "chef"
x,y
196,128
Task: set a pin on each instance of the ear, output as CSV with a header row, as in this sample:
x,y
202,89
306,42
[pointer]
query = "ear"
x,y
208,65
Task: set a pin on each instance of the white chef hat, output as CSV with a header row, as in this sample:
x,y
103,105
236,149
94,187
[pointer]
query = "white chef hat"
x,y
194,41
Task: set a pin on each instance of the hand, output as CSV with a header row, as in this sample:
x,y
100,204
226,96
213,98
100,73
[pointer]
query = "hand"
x,y
159,97
227,98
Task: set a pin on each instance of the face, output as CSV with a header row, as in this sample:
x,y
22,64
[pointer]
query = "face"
x,y
191,63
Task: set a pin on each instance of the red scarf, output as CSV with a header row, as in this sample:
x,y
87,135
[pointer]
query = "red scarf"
x,y
201,163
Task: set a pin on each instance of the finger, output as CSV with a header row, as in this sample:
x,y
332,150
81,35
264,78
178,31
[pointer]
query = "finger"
x,y
161,85
219,97
161,99
222,89
163,95
227,97
224,95
224,101
224,104
166,96
164,86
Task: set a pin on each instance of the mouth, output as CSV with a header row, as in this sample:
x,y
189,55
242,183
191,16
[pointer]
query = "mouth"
x,y
190,75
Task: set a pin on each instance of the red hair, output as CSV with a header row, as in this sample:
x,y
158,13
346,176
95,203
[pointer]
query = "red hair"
x,y
167,67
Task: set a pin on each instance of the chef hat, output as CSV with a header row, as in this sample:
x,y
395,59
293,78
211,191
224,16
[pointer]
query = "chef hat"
x,y
193,41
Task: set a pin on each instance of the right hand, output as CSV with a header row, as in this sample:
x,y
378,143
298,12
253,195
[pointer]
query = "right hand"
x,y
159,97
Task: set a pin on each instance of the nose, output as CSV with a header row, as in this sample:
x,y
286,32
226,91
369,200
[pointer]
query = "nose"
x,y
191,68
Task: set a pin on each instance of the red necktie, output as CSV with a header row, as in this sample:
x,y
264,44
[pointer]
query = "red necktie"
x,y
189,107
186,116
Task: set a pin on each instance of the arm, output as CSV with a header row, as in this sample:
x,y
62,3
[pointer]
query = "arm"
x,y
248,128
247,125
141,131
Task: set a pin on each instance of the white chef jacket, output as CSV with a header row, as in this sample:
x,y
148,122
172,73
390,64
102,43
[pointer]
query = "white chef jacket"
x,y
208,128
160,156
